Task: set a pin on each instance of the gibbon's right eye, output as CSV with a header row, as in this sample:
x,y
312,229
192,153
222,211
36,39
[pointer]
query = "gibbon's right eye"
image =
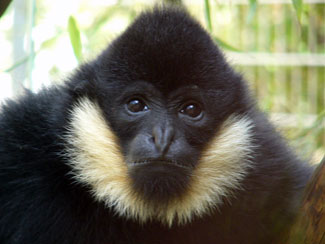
x,y
136,106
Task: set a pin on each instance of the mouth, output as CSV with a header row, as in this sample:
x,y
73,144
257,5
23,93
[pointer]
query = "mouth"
x,y
159,180
158,163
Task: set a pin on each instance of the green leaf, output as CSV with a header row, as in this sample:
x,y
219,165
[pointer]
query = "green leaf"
x,y
297,4
15,65
225,45
174,2
252,10
207,14
74,34
50,42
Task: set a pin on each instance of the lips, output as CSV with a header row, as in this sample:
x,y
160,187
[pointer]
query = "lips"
x,y
158,163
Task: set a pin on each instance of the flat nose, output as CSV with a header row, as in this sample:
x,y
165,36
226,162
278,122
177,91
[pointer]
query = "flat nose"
x,y
163,137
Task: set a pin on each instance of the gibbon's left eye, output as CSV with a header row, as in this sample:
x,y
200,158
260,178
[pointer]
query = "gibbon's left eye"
x,y
136,105
192,110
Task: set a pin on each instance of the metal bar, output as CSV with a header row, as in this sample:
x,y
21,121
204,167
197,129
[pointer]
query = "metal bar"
x,y
276,59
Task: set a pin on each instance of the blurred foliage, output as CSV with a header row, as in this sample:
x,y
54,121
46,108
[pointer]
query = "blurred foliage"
x,y
208,14
298,4
252,10
176,2
74,34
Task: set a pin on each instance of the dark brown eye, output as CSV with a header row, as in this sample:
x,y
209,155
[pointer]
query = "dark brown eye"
x,y
192,110
136,106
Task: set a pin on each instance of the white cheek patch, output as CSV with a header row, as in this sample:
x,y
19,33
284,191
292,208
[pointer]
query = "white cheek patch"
x,y
97,161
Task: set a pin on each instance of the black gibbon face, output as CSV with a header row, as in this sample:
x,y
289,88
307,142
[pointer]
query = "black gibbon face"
x,y
161,137
165,136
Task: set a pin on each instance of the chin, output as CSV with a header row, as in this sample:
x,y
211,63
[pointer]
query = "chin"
x,y
159,181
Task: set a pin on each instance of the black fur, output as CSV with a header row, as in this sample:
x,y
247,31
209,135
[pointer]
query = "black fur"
x,y
41,203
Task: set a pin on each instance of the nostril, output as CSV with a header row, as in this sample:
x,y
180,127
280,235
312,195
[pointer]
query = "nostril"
x,y
151,140
169,134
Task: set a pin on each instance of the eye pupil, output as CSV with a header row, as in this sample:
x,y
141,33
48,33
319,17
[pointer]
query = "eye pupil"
x,y
192,110
136,106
